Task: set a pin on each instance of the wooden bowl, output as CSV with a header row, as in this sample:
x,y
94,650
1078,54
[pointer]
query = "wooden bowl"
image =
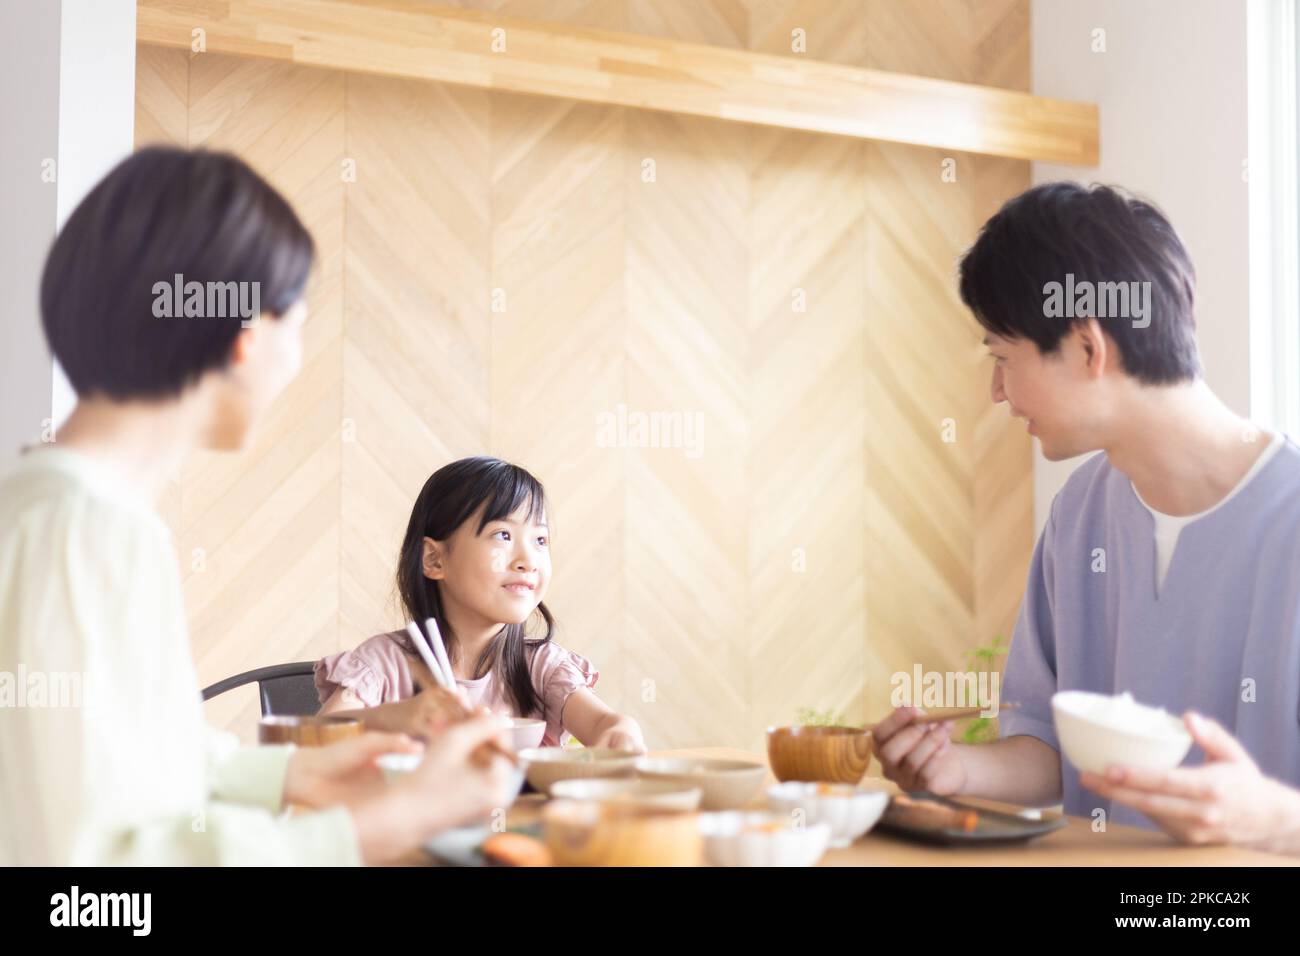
x,y
546,765
307,731
587,833
829,754
723,784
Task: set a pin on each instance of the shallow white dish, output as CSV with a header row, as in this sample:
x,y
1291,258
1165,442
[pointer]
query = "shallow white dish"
x,y
1097,731
757,838
460,846
396,766
847,810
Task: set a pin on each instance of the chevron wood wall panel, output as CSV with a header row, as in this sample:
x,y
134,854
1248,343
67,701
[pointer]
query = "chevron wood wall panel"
x,y
688,361
257,535
951,521
416,349
162,117
509,274
558,349
162,92
808,324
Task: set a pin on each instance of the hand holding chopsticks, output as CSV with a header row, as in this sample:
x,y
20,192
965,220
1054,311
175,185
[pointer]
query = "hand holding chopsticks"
x,y
916,752
434,654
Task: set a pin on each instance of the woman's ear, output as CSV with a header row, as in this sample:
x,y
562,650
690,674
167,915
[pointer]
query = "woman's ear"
x,y
242,348
432,559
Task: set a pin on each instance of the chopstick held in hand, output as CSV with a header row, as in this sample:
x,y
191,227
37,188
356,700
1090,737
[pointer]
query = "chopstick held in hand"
x,y
939,716
439,667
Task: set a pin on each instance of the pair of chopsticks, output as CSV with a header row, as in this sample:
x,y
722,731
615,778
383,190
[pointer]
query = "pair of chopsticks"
x,y
434,654
939,716
434,658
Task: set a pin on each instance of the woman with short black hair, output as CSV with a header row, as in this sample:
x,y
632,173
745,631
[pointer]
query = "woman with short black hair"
x,y
173,299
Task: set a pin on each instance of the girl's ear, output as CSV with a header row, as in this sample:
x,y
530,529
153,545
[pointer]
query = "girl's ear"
x,y
431,561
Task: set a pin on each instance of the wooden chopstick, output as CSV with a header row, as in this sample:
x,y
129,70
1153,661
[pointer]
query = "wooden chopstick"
x,y
938,716
433,680
464,713
433,641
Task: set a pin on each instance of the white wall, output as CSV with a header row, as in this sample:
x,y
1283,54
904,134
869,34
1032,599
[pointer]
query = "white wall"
x,y
29,127
96,112
67,82
1171,87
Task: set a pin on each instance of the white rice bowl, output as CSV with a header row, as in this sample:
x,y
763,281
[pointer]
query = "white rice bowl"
x,y
1098,731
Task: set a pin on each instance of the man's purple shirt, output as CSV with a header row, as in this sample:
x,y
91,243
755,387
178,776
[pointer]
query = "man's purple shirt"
x,y
1222,637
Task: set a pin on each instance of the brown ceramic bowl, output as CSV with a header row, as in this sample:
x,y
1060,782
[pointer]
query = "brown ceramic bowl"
x,y
546,765
829,754
723,784
307,731
633,791
588,833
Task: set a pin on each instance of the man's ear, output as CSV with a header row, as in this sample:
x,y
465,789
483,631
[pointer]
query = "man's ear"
x,y
1095,345
431,562
242,348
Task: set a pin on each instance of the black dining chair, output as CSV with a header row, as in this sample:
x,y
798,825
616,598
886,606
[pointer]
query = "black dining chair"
x,y
285,689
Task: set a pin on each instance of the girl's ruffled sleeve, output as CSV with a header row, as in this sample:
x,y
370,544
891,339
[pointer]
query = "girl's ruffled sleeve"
x,y
563,672
349,670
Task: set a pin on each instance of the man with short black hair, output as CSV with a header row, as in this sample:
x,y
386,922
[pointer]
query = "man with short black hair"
x,y
1169,566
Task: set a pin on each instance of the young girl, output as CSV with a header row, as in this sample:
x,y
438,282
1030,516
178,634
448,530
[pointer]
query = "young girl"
x,y
475,558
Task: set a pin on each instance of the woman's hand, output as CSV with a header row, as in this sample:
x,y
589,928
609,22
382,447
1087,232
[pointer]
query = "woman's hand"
x,y
344,772
1225,800
460,779
426,714
422,716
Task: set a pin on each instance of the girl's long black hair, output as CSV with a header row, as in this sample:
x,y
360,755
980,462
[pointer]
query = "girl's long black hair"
x,y
448,499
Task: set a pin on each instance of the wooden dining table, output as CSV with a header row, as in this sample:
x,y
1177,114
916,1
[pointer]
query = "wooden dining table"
x,y
1075,844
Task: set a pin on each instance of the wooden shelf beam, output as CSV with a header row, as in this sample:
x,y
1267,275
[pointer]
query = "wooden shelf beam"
x,y
414,39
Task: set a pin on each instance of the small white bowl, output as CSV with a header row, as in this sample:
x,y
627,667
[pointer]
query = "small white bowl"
x,y
396,766
526,732
1094,739
847,810
758,838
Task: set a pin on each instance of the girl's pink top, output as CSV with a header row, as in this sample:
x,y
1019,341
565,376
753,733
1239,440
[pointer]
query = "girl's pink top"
x,y
378,672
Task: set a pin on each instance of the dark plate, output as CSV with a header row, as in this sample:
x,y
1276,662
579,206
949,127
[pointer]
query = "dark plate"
x,y
463,846
992,826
